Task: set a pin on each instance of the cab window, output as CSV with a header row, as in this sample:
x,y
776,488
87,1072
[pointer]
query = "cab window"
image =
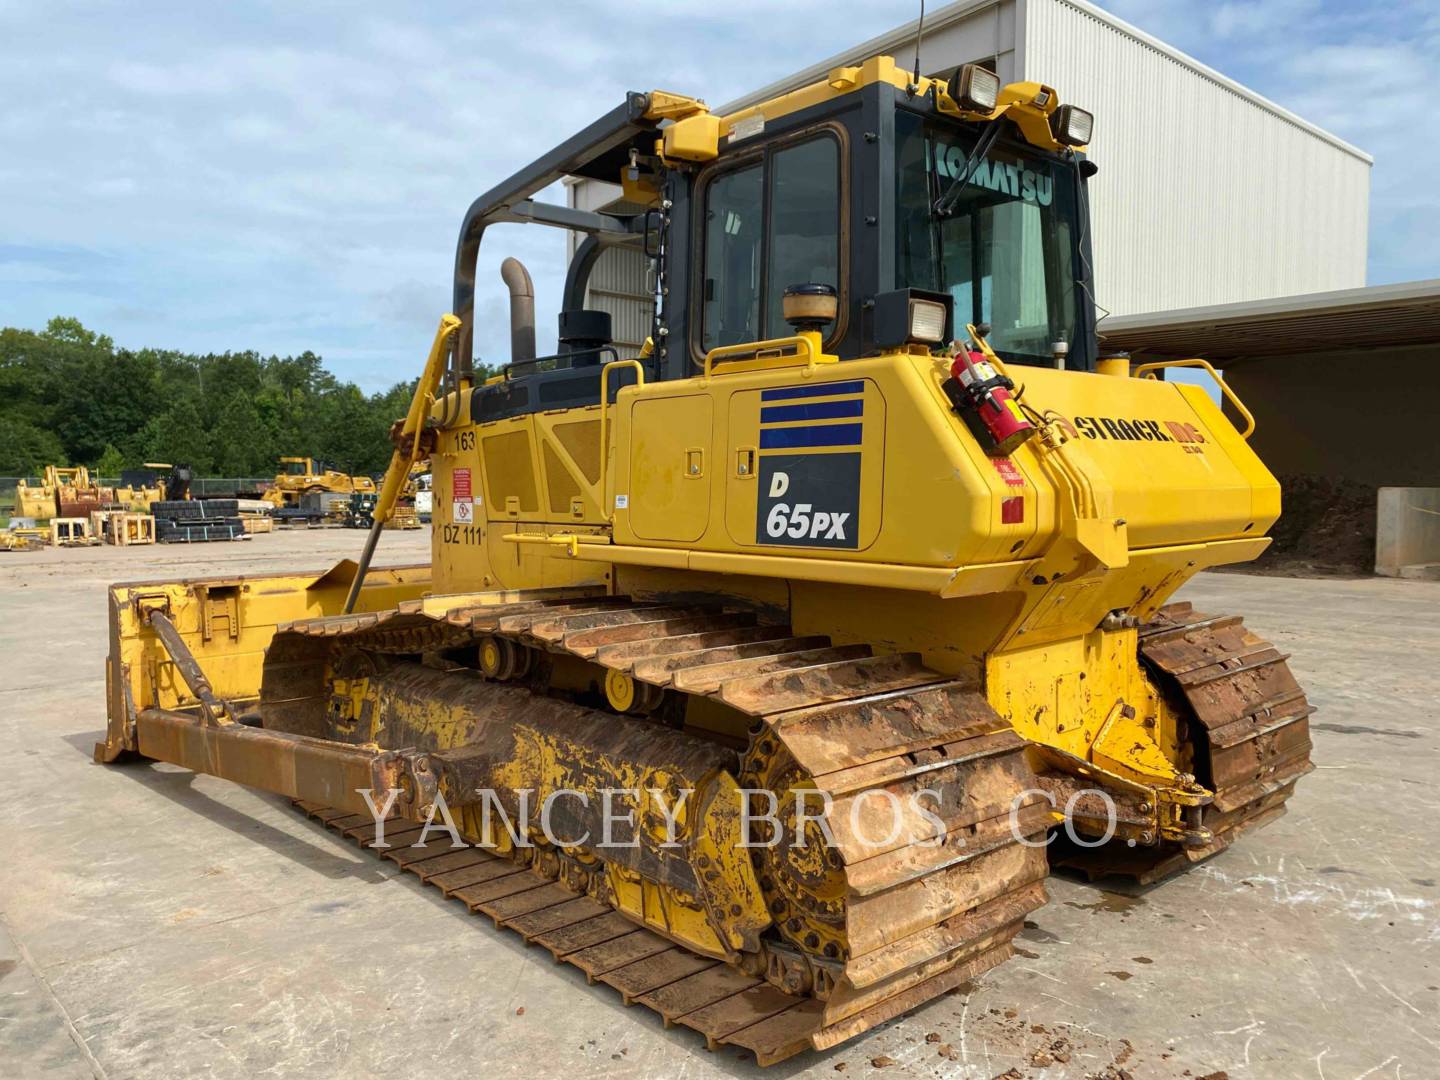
x,y
1008,252
769,225
734,214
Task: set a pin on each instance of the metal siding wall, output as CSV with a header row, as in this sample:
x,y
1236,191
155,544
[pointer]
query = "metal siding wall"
x,y
980,35
619,280
1203,196
618,285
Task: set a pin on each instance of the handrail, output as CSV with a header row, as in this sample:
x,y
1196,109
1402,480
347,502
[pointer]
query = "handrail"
x,y
754,350
569,541
605,507
1147,371
507,370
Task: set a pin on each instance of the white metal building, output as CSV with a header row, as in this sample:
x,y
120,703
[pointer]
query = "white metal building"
x,y
1207,192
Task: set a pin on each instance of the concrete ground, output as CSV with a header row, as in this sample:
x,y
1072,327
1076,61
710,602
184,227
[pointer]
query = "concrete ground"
x,y
162,924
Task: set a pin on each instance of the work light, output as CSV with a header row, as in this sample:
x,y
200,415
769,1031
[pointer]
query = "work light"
x,y
910,317
974,88
1072,126
927,320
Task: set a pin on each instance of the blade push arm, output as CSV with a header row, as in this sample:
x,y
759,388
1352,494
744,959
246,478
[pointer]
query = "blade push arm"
x,y
407,449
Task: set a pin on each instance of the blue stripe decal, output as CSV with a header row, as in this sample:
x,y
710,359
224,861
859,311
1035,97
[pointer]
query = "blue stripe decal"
x,y
815,410
821,435
784,393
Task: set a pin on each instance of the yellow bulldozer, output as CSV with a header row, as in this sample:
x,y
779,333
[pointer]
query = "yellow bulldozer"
x,y
754,673
300,476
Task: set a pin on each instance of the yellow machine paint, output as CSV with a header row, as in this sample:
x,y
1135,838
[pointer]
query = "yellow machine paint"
x,y
777,552
1022,602
63,491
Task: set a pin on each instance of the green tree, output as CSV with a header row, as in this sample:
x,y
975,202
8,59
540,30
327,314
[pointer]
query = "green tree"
x,y
111,462
178,436
241,443
68,394
25,449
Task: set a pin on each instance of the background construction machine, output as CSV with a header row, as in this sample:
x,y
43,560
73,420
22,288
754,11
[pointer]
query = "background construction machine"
x,y
66,492
871,529
299,476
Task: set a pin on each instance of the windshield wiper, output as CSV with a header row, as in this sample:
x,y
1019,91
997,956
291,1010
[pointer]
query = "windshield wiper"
x,y
945,204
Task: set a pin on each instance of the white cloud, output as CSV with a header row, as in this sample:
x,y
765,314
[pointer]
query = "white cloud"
x,y
279,176
15,272
292,176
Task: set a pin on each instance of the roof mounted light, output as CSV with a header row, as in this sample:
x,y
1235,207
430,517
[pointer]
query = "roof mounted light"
x,y
1072,126
974,88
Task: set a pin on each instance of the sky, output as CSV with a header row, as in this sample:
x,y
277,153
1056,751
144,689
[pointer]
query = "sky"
x,y
289,176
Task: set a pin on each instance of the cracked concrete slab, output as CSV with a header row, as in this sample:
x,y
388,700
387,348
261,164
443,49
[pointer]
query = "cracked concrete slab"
x,y
182,926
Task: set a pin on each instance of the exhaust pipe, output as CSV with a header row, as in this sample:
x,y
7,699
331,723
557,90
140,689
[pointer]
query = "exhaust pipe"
x,y
522,309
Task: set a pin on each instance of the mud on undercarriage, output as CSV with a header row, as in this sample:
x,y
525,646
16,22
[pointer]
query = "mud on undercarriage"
x,y
836,942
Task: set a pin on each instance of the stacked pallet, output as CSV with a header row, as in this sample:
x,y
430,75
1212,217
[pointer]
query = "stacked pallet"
x,y
127,529
193,521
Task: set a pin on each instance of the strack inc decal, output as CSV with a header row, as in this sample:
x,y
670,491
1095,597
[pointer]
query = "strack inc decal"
x,y
1121,429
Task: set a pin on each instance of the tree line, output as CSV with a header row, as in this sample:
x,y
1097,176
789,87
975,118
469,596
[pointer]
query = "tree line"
x,y
69,396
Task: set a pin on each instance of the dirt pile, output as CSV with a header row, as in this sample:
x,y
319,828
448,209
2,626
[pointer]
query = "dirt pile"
x,y
1326,526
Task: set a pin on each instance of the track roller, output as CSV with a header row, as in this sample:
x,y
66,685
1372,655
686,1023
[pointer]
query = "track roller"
x,y
502,659
627,695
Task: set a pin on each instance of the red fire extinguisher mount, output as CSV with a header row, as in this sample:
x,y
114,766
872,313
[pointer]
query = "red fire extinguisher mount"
x,y
985,400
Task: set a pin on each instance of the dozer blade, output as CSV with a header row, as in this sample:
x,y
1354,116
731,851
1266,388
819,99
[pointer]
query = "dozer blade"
x,y
226,624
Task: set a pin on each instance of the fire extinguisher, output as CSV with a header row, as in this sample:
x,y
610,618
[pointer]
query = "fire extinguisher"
x,y
985,400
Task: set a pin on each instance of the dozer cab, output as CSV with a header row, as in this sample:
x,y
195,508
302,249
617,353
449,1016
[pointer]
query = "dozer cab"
x,y
300,476
755,671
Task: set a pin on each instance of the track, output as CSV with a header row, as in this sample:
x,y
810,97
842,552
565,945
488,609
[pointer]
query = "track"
x,y
867,931
727,1006
1249,726
862,931
1253,714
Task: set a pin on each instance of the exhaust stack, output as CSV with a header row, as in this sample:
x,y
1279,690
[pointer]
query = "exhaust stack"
x,y
522,309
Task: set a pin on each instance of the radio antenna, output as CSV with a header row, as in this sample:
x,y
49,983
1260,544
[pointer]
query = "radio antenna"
x,y
914,87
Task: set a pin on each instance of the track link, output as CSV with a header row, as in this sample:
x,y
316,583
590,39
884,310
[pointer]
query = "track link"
x,y
1249,726
725,1005
863,931
1253,714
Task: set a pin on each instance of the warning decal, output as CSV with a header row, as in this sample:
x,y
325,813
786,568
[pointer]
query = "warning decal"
x,y
462,506
1008,472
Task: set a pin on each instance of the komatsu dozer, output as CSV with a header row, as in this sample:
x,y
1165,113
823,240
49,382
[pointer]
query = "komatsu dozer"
x,y
754,671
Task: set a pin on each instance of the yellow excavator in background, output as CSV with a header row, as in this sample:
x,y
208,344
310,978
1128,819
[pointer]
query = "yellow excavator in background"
x,y
759,669
300,476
